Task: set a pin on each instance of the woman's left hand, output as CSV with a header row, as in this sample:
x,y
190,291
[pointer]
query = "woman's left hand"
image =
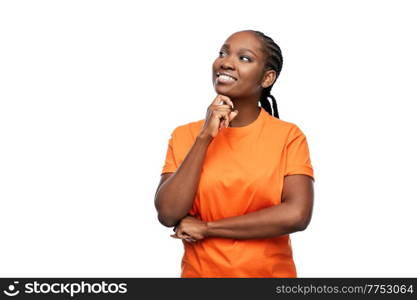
x,y
191,229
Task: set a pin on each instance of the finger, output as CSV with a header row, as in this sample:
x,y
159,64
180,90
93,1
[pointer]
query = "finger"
x,y
227,101
222,113
183,235
224,123
220,98
226,118
233,114
188,239
223,99
222,116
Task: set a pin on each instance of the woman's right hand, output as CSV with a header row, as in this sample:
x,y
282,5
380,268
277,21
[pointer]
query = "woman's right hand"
x,y
218,116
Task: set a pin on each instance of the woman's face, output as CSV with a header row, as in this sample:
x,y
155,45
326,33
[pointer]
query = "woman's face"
x,y
242,58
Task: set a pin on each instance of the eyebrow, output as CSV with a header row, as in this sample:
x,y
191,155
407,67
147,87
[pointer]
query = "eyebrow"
x,y
244,49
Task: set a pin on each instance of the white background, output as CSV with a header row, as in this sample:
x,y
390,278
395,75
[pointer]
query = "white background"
x,y
91,90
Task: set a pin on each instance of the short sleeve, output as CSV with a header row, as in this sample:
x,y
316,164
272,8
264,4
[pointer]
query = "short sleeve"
x,y
298,154
170,164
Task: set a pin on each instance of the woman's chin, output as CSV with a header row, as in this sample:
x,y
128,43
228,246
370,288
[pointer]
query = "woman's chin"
x,y
223,90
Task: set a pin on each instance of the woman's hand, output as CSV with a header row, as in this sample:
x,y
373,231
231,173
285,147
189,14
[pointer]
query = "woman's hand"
x,y
218,116
191,229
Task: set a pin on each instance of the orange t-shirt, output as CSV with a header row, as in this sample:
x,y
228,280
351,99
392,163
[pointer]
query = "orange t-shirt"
x,y
243,171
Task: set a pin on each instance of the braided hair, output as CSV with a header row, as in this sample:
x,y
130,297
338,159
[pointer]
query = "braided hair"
x,y
273,62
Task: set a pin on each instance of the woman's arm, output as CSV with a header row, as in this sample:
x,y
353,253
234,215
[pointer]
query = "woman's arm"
x,y
293,214
175,196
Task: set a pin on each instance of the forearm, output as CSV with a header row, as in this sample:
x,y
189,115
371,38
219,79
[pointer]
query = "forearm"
x,y
176,195
265,223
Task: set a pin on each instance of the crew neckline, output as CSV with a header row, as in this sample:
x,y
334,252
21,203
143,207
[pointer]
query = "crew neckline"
x,y
237,131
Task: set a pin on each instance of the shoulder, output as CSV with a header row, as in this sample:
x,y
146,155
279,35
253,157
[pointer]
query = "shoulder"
x,y
188,130
283,127
183,137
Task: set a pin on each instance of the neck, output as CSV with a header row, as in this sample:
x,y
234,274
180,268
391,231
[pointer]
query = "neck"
x,y
248,111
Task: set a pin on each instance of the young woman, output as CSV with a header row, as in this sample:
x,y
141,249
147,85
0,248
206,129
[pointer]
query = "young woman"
x,y
238,182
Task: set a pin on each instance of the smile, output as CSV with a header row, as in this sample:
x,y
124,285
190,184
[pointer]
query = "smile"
x,y
224,78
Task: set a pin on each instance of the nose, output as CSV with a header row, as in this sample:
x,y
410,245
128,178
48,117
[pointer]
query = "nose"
x,y
226,63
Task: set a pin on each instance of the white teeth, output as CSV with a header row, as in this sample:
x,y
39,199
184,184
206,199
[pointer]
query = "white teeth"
x,y
226,77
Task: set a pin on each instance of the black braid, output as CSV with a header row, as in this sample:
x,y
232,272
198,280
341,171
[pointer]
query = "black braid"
x,y
273,61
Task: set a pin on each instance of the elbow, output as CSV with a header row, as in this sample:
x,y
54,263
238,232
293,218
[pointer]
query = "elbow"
x,y
301,226
301,222
167,215
166,220
164,217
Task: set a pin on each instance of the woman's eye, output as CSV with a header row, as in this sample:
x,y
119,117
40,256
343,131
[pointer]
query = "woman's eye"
x,y
221,54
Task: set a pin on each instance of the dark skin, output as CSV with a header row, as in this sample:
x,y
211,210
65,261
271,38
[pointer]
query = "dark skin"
x,y
242,57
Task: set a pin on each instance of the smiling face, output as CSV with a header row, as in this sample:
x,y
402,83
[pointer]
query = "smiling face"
x,y
241,61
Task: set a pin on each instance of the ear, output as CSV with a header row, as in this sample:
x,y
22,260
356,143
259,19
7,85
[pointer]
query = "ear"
x,y
269,78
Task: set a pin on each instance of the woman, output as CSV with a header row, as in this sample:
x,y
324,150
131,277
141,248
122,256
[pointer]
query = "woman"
x,y
238,182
